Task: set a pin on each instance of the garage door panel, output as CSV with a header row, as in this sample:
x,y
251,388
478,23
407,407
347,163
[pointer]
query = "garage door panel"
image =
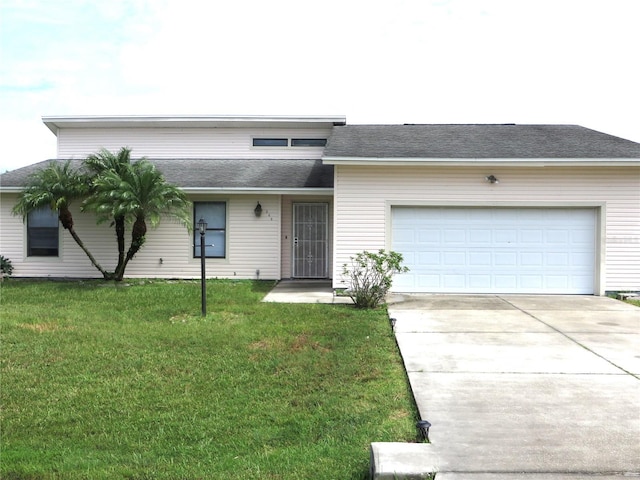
x,y
454,259
505,236
557,259
577,260
405,235
531,236
559,282
480,281
529,259
429,281
557,237
479,237
429,258
480,259
410,258
451,237
531,281
579,281
505,258
428,236
454,281
495,250
582,237
505,282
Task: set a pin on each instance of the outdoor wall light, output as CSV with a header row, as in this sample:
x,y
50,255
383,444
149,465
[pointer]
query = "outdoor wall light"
x,y
423,429
258,210
492,179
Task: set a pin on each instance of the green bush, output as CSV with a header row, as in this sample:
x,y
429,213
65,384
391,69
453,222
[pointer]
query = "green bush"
x,y
5,266
370,276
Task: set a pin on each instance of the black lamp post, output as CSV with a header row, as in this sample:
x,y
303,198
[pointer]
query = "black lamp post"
x,y
202,226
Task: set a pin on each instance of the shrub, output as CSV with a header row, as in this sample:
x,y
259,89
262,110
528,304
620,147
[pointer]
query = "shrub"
x,y
369,276
6,268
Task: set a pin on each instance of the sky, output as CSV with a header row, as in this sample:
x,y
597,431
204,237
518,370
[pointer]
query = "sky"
x,y
394,61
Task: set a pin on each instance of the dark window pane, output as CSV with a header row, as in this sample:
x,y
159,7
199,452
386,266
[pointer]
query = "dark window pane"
x,y
270,142
214,244
42,233
308,142
215,215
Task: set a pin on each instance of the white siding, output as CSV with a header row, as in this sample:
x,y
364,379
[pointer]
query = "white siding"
x,y
11,230
71,262
364,194
252,244
186,142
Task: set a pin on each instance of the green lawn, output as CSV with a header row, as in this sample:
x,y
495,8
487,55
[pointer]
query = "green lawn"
x,y
129,381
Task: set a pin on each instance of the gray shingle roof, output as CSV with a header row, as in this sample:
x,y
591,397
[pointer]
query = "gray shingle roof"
x,y
476,141
220,173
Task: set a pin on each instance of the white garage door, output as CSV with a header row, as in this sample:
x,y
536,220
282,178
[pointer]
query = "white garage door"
x,y
495,250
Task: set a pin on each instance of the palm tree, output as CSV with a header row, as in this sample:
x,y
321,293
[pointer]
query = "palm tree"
x,y
100,163
56,186
138,193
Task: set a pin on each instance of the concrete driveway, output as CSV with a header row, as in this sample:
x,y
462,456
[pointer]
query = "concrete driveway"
x,y
523,387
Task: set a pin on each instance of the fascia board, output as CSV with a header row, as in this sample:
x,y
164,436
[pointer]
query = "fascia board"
x,y
54,123
484,162
233,191
260,191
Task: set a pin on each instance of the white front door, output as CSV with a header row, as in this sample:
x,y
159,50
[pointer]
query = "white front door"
x,y
495,250
310,240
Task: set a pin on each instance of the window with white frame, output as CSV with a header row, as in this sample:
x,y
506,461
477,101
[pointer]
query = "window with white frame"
x,y
215,239
42,233
308,142
270,142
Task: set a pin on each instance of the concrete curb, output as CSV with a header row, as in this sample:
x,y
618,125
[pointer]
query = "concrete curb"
x,y
397,460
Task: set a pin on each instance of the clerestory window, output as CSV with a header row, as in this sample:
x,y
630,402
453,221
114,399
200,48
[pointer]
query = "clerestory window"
x,y
308,142
270,142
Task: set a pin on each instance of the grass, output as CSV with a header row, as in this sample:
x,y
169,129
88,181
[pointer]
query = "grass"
x,y
633,302
106,381
630,300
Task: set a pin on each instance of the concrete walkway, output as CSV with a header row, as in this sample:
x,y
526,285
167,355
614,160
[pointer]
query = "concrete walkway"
x,y
304,291
524,387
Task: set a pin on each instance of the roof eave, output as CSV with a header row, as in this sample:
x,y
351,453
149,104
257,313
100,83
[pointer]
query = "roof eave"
x,y
230,191
257,190
54,123
482,162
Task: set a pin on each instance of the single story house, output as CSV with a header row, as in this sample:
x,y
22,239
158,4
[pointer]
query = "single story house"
x,y
551,209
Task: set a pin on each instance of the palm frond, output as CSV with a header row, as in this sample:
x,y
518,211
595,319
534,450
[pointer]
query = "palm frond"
x,y
55,186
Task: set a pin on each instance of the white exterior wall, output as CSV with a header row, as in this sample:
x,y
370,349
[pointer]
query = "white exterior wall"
x,y
186,142
252,244
364,195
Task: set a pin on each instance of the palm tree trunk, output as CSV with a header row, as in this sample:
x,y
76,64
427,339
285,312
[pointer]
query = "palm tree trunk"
x,y
94,262
66,219
120,229
138,233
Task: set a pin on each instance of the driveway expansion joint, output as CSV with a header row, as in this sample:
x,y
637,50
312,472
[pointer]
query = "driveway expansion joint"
x,y
568,337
